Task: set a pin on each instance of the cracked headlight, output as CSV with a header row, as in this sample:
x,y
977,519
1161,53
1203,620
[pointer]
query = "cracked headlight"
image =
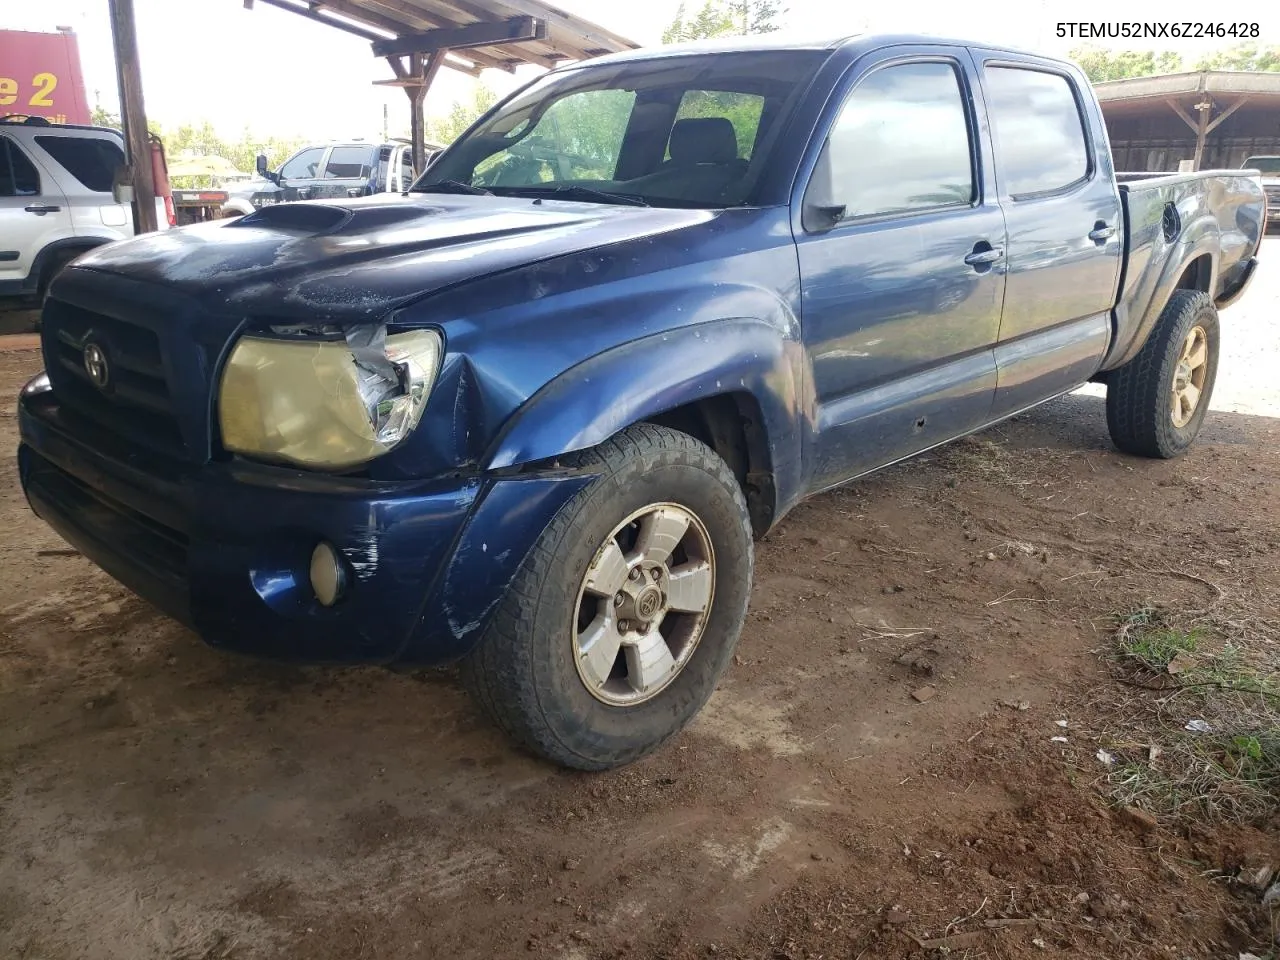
x,y
326,404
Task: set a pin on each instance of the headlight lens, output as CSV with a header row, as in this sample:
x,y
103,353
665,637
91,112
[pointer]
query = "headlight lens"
x,y
310,403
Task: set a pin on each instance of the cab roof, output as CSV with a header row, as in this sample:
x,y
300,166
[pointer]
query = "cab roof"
x,y
784,41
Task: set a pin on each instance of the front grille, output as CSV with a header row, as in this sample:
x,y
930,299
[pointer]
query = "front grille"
x,y
148,543
136,402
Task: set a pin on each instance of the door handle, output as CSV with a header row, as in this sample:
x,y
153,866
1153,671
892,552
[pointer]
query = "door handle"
x,y
1101,233
40,209
981,258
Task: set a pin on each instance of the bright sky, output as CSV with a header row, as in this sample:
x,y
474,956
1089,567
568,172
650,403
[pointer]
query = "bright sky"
x,y
279,74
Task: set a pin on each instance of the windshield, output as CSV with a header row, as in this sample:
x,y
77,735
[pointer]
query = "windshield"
x,y
690,131
1268,166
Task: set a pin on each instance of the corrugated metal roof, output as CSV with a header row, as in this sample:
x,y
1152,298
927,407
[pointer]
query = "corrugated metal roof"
x,y
568,37
1175,84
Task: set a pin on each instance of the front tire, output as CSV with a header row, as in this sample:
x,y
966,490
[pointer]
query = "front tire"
x,y
1156,403
626,612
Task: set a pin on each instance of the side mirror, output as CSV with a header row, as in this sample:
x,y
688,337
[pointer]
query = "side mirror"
x,y
260,164
822,211
122,185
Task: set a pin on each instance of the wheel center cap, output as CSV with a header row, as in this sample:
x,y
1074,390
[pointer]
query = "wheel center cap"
x,y
648,602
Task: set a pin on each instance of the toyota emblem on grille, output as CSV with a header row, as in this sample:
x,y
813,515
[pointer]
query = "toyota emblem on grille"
x,y
95,365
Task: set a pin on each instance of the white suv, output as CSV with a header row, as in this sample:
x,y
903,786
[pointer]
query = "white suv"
x,y
56,200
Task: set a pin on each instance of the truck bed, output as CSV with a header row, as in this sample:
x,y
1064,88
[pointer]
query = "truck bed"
x,y
1173,225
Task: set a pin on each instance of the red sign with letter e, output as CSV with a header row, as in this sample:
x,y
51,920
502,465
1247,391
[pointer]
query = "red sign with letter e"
x,y
40,76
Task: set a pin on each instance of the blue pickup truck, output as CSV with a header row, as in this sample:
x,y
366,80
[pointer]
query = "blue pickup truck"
x,y
530,414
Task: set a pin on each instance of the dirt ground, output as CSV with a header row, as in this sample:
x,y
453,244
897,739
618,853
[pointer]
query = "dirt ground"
x,y
161,800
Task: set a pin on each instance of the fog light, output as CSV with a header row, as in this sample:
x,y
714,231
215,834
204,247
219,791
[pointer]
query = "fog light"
x,y
328,577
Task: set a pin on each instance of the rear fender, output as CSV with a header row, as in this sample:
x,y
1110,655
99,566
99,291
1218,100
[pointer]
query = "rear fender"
x,y
639,380
1199,238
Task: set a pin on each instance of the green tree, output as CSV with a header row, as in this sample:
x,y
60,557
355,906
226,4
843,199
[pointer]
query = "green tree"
x,y
104,118
1242,56
1100,64
724,18
461,115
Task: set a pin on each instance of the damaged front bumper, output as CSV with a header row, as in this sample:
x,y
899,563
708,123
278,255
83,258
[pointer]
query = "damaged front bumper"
x,y
226,547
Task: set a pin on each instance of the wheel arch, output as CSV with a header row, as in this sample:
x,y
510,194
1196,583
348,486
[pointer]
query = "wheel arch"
x,y
1193,265
732,384
60,251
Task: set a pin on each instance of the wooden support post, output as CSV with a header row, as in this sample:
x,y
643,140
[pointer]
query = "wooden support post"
x,y
423,73
1202,131
133,115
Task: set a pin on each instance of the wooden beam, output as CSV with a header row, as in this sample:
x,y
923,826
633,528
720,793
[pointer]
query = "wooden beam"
x,y
1186,118
453,13
311,14
412,17
1226,113
460,10
594,36
456,38
133,115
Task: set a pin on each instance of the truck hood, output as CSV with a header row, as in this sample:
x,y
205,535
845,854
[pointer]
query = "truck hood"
x,y
353,261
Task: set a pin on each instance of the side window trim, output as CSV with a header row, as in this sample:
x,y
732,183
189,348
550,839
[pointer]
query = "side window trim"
x,y
9,189
964,83
1091,158
13,153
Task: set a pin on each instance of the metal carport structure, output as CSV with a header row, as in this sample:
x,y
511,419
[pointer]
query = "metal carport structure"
x,y
1206,119
416,37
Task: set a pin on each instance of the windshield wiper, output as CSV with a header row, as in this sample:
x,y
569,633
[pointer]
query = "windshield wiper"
x,y
451,186
577,193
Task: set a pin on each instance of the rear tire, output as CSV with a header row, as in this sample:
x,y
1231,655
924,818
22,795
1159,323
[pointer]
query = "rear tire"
x,y
1151,411
531,670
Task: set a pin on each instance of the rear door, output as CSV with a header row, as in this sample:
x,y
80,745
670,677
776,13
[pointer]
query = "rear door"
x,y
348,171
901,297
33,214
84,163
1065,237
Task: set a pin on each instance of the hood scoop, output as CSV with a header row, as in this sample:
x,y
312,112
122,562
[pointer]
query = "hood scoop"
x,y
297,218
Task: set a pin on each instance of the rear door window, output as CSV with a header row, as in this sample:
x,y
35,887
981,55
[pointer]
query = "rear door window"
x,y
91,160
1039,132
384,167
742,110
347,163
18,177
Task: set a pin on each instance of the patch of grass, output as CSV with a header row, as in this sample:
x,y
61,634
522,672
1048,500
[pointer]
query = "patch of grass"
x,y
1216,776
1210,733
1155,649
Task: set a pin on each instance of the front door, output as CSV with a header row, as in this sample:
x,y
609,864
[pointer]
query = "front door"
x,y
300,174
901,296
1065,238
33,214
